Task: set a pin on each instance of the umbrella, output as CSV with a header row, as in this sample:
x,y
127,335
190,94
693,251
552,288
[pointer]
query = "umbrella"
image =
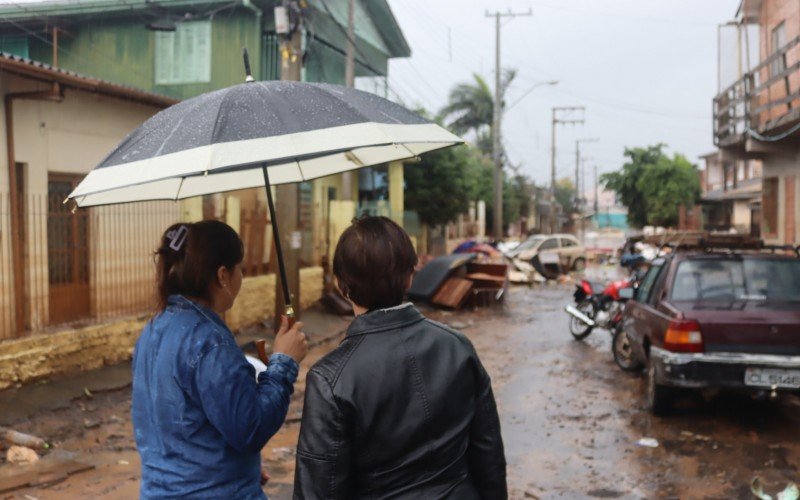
x,y
257,134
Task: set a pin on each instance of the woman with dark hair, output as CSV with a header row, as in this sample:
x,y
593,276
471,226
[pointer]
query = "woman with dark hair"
x,y
403,407
200,417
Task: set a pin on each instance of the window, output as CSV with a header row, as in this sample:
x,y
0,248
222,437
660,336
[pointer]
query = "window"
x,y
184,55
748,279
778,41
643,291
769,207
549,244
17,45
568,242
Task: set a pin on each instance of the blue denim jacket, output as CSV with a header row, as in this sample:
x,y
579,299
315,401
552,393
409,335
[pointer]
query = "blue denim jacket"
x,y
199,416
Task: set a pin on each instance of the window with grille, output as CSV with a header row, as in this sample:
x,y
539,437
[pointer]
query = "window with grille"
x,y
17,45
778,41
183,55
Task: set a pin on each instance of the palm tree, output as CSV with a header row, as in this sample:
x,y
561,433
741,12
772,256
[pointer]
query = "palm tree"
x,y
471,108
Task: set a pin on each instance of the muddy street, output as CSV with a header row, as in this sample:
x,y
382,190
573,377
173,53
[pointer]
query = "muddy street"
x,y
571,419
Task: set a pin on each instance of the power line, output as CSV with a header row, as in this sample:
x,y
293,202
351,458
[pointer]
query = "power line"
x,y
681,22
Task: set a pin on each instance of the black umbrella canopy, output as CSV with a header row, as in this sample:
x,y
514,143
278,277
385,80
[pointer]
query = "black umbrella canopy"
x,y
253,135
219,141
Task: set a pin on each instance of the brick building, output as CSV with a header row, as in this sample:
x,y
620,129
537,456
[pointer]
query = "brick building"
x,y
757,110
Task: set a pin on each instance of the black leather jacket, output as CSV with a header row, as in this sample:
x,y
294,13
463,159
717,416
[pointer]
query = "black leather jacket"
x,y
402,408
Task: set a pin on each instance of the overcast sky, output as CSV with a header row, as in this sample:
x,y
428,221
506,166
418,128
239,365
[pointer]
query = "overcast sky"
x,y
646,70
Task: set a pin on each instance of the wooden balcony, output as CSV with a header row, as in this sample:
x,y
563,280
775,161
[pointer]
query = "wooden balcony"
x,y
765,102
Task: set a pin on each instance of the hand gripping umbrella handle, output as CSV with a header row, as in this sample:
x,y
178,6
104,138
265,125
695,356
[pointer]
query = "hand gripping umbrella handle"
x,y
261,344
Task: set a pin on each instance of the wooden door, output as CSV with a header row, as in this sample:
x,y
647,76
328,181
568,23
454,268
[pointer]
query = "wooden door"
x,y
67,253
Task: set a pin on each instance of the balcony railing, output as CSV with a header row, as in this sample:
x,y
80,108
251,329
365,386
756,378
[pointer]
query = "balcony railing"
x,y
763,101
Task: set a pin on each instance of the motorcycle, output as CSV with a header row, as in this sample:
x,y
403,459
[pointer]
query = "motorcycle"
x,y
599,306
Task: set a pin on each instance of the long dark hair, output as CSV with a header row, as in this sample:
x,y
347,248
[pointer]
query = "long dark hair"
x,y
189,256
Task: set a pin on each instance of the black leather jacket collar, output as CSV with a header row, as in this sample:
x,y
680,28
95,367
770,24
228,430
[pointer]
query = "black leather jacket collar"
x,y
385,319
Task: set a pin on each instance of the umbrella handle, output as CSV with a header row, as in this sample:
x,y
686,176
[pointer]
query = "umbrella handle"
x,y
261,344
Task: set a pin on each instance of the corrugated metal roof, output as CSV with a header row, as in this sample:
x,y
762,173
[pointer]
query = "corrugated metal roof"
x,y
44,72
57,8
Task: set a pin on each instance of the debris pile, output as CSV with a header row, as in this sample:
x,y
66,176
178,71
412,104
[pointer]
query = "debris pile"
x,y
460,280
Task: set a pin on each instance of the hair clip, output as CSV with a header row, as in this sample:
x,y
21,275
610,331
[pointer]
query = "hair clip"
x,y
177,237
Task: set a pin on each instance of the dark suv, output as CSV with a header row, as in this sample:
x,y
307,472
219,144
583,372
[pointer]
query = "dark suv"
x,y
715,319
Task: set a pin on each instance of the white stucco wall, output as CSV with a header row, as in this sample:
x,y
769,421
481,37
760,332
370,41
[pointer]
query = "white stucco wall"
x,y
68,137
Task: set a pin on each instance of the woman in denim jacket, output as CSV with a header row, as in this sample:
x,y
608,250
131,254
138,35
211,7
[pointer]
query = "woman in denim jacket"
x,y
200,417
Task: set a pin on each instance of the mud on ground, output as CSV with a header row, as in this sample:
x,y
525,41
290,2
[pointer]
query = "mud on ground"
x,y
571,419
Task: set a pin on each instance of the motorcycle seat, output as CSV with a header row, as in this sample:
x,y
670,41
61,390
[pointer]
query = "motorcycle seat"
x,y
597,287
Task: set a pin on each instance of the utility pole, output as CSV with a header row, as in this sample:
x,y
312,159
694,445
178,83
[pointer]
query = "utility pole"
x,y
556,120
578,201
596,193
350,81
497,117
287,195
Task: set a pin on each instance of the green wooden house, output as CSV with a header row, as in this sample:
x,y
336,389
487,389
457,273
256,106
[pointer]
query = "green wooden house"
x,y
181,48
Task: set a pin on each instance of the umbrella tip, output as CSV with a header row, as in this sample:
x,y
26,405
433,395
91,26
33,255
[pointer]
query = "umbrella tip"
x,y
248,74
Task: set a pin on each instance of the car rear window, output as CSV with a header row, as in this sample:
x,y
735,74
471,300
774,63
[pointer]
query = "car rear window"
x,y
745,279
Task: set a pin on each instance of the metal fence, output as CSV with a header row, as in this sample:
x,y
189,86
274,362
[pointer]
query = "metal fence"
x,y
79,267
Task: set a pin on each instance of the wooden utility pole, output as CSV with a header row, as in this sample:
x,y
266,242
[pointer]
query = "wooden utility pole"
x,y
287,195
596,193
578,199
554,122
497,117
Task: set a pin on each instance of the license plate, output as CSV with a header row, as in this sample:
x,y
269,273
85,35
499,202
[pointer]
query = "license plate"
x,y
770,377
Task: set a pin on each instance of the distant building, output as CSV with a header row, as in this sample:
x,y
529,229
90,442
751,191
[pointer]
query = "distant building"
x,y
731,197
606,212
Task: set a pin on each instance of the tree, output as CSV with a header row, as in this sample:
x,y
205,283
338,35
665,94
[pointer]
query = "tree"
x,y
471,108
440,186
653,186
565,195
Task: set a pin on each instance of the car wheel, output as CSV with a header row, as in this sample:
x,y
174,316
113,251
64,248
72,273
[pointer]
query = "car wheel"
x,y
579,265
623,352
578,328
660,398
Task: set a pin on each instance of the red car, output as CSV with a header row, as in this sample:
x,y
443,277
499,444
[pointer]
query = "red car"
x,y
714,319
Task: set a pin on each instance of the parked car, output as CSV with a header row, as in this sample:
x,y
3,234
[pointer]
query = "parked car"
x,y
571,254
722,319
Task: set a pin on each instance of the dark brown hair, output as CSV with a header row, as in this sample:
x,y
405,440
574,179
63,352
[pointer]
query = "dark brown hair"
x,y
373,261
189,256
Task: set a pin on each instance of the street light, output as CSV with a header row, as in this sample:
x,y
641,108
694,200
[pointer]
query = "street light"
x,y
535,86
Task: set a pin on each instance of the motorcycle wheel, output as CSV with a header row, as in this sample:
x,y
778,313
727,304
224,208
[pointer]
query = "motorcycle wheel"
x,y
623,352
578,328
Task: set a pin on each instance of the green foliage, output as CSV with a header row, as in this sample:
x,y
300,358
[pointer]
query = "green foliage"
x,y
653,185
565,195
441,185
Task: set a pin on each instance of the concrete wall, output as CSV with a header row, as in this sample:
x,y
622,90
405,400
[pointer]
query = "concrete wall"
x,y
69,351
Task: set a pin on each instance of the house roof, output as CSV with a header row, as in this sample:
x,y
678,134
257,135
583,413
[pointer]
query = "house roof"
x,y
44,72
385,34
63,8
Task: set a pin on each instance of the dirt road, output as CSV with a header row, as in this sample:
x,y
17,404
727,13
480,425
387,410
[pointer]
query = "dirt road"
x,y
571,420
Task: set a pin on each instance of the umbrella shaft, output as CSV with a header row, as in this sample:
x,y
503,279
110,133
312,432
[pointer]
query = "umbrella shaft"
x,y
287,299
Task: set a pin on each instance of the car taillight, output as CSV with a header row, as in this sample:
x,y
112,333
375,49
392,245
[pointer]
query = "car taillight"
x,y
683,336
